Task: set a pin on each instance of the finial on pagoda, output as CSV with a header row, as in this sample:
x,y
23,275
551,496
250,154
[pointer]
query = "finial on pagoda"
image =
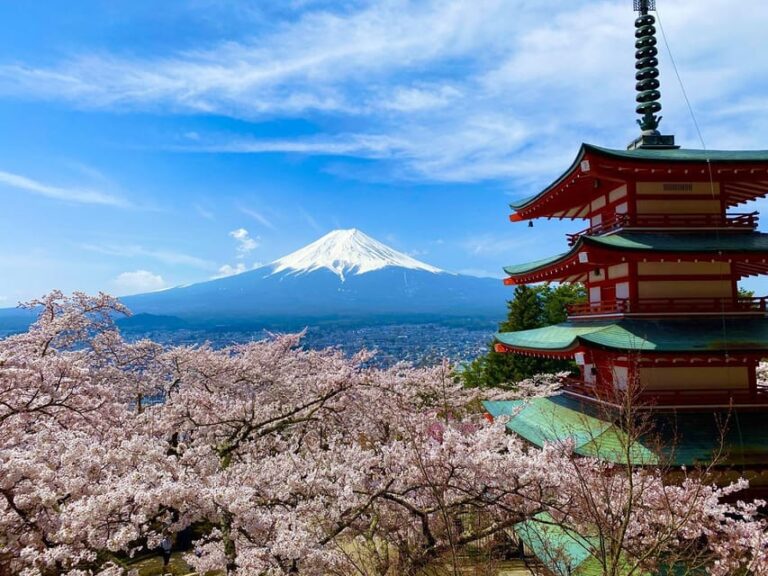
x,y
647,77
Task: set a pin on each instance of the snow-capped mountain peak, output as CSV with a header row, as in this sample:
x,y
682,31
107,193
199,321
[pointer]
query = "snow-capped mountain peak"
x,y
345,252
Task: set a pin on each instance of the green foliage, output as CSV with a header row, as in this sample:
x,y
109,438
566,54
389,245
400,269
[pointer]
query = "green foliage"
x,y
532,307
744,293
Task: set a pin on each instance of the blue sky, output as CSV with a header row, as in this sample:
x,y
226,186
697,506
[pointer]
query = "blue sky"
x,y
148,144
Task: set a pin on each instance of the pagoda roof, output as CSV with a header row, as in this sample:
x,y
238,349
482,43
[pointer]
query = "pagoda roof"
x,y
640,159
563,549
647,335
652,243
540,420
683,242
684,438
682,154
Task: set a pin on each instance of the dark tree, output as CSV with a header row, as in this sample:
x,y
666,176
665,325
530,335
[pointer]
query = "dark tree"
x,y
531,307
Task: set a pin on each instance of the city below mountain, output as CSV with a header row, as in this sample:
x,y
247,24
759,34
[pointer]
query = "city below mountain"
x,y
345,278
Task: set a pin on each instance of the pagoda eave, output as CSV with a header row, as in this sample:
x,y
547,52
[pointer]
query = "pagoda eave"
x,y
702,337
566,354
591,253
648,358
743,175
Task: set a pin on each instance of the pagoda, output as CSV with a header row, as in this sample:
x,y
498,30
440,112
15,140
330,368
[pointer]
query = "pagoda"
x,y
661,260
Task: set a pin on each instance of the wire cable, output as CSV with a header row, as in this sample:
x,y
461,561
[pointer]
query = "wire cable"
x,y
706,157
680,81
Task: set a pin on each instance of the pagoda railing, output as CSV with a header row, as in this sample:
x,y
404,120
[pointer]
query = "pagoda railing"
x,y
753,304
740,221
602,307
746,221
619,221
677,397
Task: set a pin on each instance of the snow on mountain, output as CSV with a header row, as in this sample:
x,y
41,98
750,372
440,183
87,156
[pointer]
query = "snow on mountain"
x,y
347,252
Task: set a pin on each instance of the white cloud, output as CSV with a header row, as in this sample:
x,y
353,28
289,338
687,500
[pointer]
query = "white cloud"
x,y
239,268
138,281
299,67
446,90
414,99
67,194
136,251
245,243
460,150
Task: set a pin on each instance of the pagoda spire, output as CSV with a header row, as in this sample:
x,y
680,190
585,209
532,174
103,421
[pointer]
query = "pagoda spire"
x,y
647,77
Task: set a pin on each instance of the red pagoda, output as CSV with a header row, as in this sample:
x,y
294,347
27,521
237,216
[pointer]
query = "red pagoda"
x,y
661,260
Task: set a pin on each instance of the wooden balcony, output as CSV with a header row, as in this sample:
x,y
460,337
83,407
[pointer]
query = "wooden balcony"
x,y
742,221
741,305
688,398
619,221
613,307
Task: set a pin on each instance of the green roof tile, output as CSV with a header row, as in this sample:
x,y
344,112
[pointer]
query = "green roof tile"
x,y
555,337
686,438
705,242
541,420
682,154
683,242
563,550
535,265
670,335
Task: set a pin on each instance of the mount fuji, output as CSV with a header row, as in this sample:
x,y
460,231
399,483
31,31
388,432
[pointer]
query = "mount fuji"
x,y
347,252
344,277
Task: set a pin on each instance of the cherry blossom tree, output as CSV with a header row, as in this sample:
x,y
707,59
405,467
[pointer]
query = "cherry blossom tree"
x,y
295,461
68,439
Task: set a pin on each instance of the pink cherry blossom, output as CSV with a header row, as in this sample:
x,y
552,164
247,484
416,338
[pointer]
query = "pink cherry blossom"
x,y
299,461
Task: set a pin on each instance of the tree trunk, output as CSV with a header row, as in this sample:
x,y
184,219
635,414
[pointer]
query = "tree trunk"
x,y
230,551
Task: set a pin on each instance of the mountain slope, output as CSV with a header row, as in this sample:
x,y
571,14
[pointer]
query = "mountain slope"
x,y
344,275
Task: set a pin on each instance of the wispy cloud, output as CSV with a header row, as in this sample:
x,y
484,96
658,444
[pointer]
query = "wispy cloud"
x,y
488,93
418,98
136,251
477,148
258,216
66,194
204,212
245,243
310,220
